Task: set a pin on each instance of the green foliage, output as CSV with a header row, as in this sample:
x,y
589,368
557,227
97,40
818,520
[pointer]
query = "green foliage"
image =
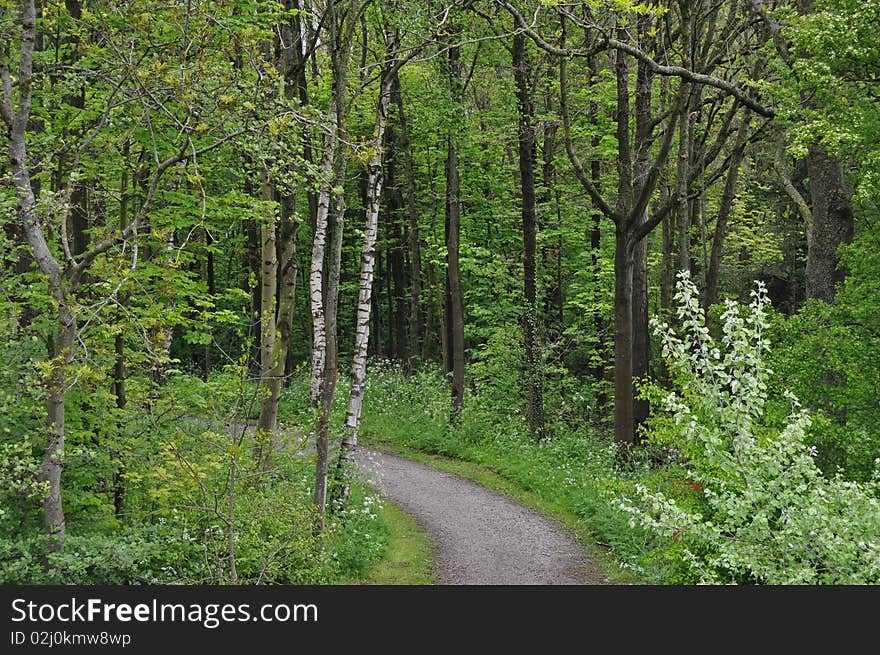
x,y
20,426
830,357
148,486
767,514
172,454
497,368
837,44
159,552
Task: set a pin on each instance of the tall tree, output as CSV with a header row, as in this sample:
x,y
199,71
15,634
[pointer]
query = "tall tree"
x,y
342,21
831,225
454,303
319,242
414,239
64,271
628,216
388,75
724,209
830,219
523,74
279,252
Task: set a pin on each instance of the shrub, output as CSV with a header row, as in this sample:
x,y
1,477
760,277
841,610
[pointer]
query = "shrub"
x,y
767,513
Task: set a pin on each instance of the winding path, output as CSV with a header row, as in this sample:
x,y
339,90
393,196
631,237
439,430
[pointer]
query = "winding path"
x,y
480,537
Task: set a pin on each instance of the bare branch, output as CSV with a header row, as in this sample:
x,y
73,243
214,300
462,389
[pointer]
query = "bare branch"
x,y
181,155
528,29
650,182
773,27
691,76
65,241
609,42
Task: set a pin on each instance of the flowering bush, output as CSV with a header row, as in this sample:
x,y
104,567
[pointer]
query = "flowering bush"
x,y
768,514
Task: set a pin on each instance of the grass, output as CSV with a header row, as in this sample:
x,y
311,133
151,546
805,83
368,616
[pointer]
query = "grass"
x,y
408,559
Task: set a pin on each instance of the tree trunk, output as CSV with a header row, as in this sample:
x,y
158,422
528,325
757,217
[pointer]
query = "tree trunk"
x,y
62,353
379,272
316,277
624,425
119,392
667,274
212,292
268,277
624,265
454,304
345,466
331,359
724,209
398,277
53,457
272,382
341,30
682,216
297,79
252,255
119,361
526,140
832,225
644,140
413,235
596,240
554,305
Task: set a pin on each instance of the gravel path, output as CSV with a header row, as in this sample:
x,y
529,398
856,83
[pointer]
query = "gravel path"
x,y
479,536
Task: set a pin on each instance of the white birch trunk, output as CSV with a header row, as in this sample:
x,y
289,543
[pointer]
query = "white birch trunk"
x,y
316,277
368,257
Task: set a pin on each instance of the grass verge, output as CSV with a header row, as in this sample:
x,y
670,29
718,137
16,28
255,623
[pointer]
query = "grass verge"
x,y
408,559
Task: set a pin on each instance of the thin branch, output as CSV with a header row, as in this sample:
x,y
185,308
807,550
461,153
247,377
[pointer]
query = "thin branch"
x,y
691,76
647,189
467,79
181,155
581,174
796,197
660,69
773,27
528,29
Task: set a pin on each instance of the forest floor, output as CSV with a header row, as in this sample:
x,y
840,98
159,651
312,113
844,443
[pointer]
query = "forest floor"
x,y
479,536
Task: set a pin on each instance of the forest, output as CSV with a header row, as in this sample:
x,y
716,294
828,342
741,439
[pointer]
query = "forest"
x,y
621,257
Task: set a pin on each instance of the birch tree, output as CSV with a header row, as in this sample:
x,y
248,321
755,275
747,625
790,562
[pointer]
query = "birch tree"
x,y
341,21
316,276
388,75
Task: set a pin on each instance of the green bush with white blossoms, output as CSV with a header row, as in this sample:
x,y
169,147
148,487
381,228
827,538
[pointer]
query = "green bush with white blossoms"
x,y
765,513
